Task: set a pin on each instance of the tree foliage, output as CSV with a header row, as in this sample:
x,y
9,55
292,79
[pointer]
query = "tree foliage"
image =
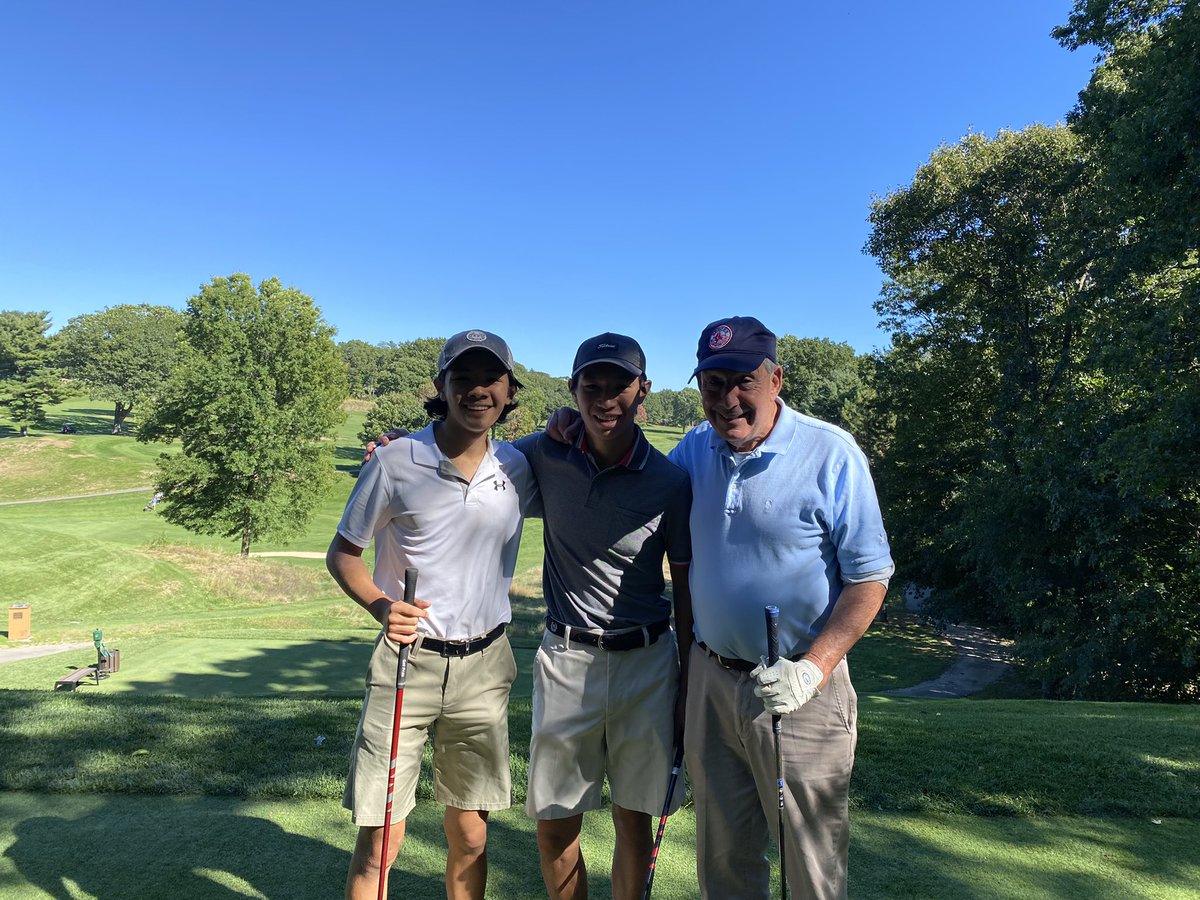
x,y
681,408
123,354
393,411
1042,467
1140,117
29,379
823,379
254,400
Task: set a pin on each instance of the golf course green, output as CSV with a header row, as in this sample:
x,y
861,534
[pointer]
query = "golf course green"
x,y
212,764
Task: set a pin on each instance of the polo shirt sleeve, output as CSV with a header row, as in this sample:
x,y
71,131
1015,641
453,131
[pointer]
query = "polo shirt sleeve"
x,y
530,447
370,503
857,527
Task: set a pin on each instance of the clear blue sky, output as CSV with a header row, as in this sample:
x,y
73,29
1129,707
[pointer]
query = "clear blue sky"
x,y
546,170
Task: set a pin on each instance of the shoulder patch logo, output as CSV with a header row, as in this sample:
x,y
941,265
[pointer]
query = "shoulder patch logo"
x,y
721,336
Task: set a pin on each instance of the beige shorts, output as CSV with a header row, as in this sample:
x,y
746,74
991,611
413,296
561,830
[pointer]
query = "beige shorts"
x,y
463,702
597,713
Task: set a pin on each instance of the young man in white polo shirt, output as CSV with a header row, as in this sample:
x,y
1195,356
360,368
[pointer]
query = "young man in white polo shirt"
x,y
449,502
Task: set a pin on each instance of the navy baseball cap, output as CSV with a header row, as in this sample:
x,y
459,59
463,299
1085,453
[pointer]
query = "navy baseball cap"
x,y
465,341
618,349
739,343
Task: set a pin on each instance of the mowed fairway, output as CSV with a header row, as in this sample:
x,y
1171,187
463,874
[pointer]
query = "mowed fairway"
x,y
212,764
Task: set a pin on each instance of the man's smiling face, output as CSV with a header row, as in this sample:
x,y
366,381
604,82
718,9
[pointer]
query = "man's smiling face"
x,y
741,405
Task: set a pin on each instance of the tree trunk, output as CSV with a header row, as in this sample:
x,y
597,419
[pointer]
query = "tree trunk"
x,y
246,541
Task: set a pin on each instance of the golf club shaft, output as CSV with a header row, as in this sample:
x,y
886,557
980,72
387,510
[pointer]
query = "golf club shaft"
x,y
772,617
662,821
410,593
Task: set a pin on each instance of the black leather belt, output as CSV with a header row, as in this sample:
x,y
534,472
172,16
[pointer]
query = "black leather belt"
x,y
465,647
609,640
731,662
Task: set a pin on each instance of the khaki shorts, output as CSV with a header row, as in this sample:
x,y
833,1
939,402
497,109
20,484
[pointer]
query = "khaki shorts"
x,y
598,712
463,702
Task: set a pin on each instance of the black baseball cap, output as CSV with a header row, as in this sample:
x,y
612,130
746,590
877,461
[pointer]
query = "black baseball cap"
x,y
618,349
476,339
739,343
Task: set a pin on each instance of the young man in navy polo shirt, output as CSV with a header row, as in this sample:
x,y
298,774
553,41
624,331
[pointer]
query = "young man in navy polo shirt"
x,y
607,674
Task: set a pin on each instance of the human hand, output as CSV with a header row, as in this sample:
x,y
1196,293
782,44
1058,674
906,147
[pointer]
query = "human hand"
x,y
786,686
400,619
382,441
563,425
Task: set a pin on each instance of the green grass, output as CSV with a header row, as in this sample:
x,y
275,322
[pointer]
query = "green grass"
x,y
197,771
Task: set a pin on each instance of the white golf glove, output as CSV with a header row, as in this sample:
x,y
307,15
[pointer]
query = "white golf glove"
x,y
786,686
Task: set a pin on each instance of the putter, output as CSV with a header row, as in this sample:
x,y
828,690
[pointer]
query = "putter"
x,y
772,615
662,821
410,592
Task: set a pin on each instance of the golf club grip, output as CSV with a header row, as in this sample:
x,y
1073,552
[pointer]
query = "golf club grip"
x,y
410,594
772,616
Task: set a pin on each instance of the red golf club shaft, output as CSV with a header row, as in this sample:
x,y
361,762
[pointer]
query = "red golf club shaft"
x,y
410,592
662,821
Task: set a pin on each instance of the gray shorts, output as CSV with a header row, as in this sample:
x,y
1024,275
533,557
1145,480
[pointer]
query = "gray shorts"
x,y
598,713
463,702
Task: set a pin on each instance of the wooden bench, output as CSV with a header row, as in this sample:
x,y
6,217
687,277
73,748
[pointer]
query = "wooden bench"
x,y
71,680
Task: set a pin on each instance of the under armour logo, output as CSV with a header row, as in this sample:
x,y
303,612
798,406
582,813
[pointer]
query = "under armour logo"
x,y
500,486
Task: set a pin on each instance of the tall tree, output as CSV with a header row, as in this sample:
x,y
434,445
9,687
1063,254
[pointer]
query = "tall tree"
x,y
29,380
123,354
254,401
821,378
1140,116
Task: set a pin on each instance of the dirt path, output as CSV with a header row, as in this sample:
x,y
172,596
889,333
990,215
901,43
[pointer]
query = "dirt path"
x,y
294,554
12,654
137,490
982,659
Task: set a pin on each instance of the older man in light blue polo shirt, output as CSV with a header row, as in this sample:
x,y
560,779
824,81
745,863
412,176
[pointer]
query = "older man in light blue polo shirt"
x,y
784,513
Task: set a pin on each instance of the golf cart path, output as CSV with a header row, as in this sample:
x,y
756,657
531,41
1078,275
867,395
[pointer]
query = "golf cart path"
x,y
982,659
12,654
136,490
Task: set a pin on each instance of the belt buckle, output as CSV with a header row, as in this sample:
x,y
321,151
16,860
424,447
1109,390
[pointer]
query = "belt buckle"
x,y
600,642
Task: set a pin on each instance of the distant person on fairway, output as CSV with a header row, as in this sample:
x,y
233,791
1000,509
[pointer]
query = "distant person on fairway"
x,y
450,502
607,675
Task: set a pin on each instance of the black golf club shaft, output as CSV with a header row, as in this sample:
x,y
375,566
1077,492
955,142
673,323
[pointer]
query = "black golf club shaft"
x,y
410,593
772,617
662,821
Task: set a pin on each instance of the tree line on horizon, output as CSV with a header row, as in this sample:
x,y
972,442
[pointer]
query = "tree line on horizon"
x,y
1033,426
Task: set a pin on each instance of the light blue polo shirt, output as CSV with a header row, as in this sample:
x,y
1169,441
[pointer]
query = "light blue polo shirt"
x,y
785,525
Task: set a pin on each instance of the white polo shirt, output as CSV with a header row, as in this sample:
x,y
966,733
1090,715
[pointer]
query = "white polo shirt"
x,y
463,537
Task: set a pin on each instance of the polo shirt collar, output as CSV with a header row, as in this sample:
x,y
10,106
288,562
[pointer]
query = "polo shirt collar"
x,y
634,459
426,452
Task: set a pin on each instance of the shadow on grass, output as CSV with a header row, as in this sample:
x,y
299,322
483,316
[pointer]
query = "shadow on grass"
x,y
191,851
349,459
896,856
87,420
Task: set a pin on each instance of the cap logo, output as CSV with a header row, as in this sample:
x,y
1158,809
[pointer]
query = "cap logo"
x,y
606,346
720,336
476,337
